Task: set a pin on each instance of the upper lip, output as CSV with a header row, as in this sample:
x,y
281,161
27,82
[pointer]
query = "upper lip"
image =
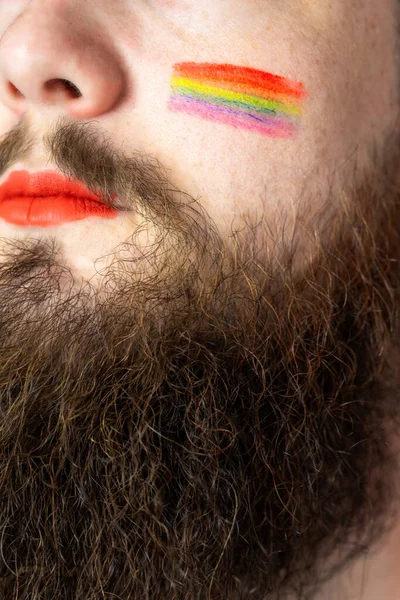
x,y
45,184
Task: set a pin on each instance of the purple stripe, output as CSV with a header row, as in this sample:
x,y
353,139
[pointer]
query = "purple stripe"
x,y
273,126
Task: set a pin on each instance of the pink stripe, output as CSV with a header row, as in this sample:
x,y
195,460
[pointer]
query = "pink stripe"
x,y
273,127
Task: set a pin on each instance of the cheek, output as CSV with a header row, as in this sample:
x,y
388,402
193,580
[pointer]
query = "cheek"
x,y
233,129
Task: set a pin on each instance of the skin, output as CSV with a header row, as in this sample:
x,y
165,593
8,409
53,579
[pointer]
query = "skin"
x,y
345,103
206,385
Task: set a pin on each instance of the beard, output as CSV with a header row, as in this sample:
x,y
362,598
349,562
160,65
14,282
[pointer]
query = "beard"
x,y
218,419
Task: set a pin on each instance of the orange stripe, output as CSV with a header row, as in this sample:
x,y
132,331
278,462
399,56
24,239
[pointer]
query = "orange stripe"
x,y
241,76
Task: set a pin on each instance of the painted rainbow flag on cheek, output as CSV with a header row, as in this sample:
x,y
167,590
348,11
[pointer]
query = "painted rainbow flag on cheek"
x,y
238,96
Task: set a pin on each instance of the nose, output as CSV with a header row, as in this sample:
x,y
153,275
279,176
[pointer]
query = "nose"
x,y
53,54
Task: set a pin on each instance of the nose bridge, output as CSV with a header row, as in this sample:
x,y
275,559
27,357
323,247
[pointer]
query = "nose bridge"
x,y
51,55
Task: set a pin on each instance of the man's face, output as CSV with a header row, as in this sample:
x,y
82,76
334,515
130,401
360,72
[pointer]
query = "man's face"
x,y
196,395
121,57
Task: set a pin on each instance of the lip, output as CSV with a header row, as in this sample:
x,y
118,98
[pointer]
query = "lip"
x,y
48,199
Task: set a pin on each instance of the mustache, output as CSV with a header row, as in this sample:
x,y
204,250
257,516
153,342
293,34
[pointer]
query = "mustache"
x,y
82,151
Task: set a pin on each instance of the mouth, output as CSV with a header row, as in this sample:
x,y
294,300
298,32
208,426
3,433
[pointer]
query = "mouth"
x,y
48,199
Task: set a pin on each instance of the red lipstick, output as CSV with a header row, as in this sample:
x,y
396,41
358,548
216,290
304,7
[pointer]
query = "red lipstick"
x,y
48,199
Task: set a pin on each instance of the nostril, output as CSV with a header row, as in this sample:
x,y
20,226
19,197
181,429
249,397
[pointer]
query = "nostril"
x,y
14,90
57,85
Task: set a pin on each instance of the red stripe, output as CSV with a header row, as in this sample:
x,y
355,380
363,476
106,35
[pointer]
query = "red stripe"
x,y
245,76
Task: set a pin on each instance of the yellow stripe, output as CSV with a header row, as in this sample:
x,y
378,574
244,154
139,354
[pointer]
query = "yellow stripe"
x,y
188,84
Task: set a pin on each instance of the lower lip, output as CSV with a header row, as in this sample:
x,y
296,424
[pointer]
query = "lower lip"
x,y
52,211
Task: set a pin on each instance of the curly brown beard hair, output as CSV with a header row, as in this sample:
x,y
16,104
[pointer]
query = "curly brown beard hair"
x,y
218,422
